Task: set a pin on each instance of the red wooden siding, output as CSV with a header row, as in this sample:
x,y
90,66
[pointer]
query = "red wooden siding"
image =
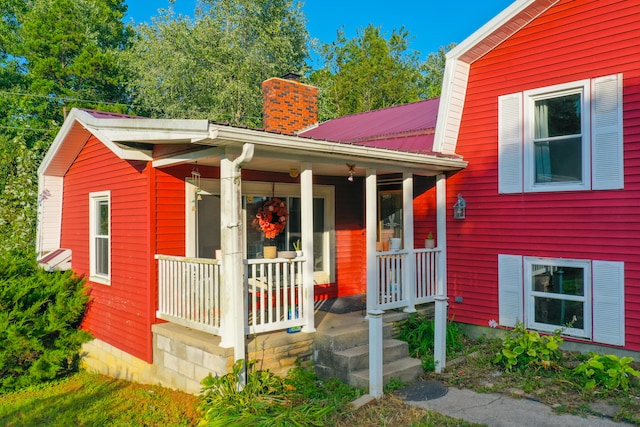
x,y
572,41
119,314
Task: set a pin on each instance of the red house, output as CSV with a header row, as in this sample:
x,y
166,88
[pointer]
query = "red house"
x,y
158,215
544,103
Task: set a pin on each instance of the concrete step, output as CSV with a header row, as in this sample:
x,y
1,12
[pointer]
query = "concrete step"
x,y
347,335
406,370
357,358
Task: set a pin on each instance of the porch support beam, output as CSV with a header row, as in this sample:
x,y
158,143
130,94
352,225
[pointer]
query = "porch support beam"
x,y
440,334
374,315
306,212
409,272
371,218
232,287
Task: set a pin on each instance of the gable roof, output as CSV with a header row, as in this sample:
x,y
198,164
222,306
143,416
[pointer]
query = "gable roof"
x,y
408,127
459,60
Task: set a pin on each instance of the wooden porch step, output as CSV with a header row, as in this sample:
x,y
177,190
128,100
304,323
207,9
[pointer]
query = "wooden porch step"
x,y
406,370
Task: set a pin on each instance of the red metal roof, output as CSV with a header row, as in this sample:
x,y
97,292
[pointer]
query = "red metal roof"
x,y
408,127
109,115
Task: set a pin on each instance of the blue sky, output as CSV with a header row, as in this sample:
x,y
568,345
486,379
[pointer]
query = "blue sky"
x,y
431,23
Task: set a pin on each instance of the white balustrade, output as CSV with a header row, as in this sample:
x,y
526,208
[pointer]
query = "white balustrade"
x,y
275,294
394,282
189,292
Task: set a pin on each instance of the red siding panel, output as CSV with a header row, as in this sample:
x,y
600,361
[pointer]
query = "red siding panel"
x,y
573,40
119,314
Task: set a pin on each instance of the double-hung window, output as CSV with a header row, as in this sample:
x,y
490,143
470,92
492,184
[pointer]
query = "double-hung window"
x,y
584,298
100,237
562,138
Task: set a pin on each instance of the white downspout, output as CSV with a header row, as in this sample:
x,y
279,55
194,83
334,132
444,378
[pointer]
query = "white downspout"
x,y
232,286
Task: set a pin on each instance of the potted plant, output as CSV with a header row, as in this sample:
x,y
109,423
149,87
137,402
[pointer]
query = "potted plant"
x,y
298,248
429,242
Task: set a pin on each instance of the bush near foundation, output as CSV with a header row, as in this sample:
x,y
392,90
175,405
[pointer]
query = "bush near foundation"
x,y
40,313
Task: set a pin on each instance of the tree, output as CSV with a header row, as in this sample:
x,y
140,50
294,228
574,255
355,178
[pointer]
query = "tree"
x,y
55,54
433,71
367,72
212,66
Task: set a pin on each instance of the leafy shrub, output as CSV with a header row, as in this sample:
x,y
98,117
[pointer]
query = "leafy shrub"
x,y
419,333
522,348
39,317
607,370
270,400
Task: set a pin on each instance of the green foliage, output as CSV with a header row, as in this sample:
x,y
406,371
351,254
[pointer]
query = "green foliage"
x,y
218,59
523,349
40,313
371,71
419,333
433,71
18,195
608,371
269,400
54,55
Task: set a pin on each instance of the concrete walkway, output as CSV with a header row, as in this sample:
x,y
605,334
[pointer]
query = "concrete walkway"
x,y
496,410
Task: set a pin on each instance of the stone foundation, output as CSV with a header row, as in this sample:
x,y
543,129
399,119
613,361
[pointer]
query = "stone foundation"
x,y
182,357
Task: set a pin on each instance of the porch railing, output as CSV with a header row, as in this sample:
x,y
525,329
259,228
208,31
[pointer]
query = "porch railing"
x,y
189,292
275,294
190,289
403,284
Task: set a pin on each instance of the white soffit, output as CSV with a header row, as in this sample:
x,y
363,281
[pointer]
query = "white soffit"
x,y
459,59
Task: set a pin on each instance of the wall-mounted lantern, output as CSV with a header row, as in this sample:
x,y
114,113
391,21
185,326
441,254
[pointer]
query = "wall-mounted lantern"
x,y
459,209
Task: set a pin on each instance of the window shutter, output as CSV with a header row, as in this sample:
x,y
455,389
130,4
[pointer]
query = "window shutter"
x,y
510,289
510,143
607,135
608,302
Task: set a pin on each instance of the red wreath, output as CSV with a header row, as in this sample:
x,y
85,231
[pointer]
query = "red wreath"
x,y
271,218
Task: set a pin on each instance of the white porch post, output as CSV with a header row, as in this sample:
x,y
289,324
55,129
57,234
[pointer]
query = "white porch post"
x,y
409,268
232,282
306,212
371,218
440,338
373,313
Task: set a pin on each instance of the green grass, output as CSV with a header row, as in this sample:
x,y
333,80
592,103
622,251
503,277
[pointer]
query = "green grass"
x,y
87,399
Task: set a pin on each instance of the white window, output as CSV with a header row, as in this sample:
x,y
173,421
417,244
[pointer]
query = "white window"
x,y
203,222
561,138
558,294
584,297
100,237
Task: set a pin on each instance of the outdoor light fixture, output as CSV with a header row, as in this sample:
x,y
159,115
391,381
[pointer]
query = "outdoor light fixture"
x,y
293,173
459,209
352,172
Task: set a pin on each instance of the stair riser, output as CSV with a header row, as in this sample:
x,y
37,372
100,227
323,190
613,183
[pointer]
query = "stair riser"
x,y
349,339
394,351
407,374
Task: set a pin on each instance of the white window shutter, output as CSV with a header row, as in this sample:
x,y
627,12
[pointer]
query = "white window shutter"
x,y
608,302
607,134
510,289
510,143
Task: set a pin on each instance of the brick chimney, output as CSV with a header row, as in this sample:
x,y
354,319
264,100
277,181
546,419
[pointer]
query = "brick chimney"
x,y
288,106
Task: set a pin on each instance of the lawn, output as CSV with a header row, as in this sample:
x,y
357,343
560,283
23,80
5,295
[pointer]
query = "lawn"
x,y
86,399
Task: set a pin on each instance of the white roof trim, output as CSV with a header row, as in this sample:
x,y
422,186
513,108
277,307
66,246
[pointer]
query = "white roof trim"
x,y
459,60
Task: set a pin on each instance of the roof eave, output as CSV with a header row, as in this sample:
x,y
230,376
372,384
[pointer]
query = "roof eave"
x,y
474,47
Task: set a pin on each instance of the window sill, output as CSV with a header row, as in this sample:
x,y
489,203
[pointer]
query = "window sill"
x,y
101,280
